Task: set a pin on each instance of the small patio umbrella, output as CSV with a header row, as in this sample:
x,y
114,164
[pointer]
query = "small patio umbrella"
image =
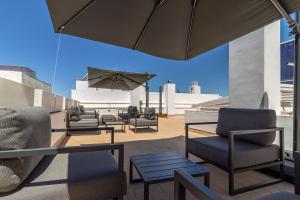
x,y
176,29
109,79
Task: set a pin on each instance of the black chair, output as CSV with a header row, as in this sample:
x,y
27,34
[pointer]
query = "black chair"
x,y
185,181
132,112
244,142
147,119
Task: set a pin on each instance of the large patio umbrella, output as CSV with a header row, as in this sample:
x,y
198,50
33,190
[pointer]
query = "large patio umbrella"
x,y
176,29
109,79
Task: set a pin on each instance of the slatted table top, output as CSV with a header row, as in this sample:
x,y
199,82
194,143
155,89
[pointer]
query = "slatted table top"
x,y
160,167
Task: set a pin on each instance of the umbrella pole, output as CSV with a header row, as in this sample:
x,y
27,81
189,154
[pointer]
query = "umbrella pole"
x,y
147,94
160,100
296,115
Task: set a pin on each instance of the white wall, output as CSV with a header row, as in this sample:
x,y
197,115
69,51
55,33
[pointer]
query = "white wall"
x,y
202,116
46,100
15,94
11,75
173,103
254,69
59,100
35,83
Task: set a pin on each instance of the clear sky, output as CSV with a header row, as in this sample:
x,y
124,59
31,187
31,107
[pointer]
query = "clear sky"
x,y
27,39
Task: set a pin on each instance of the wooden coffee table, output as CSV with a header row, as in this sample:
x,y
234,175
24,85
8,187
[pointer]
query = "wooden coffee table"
x,y
158,168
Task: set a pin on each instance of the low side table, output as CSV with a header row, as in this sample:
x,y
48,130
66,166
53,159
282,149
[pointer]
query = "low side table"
x,y
158,168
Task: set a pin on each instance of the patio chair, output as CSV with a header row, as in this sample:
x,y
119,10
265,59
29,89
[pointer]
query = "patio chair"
x,y
132,112
244,142
75,123
147,119
30,169
83,113
185,181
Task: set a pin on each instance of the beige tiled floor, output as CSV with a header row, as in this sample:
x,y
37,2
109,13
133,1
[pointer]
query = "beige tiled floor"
x,y
171,138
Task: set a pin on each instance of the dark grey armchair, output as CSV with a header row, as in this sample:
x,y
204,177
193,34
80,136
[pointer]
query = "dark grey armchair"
x,y
84,114
147,119
132,112
76,124
244,142
31,169
184,181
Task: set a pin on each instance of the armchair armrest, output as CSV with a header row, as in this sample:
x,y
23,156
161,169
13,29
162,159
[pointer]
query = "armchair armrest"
x,y
185,181
111,129
247,132
187,124
64,150
231,140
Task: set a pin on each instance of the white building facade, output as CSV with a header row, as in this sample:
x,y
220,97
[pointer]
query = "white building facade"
x,y
172,103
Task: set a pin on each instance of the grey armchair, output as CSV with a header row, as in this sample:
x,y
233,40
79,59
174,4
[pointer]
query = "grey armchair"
x,y
147,119
75,124
184,181
132,112
30,169
244,142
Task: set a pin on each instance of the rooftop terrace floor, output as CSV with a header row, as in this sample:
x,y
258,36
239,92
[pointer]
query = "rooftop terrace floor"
x,y
170,138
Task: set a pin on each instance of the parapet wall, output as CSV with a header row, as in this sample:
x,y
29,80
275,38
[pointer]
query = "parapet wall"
x,y
14,94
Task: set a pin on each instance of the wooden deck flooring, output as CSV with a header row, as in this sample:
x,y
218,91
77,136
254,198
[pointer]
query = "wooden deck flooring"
x,y
171,138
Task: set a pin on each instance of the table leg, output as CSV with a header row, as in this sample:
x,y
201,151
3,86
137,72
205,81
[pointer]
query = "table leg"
x,y
130,172
146,191
206,180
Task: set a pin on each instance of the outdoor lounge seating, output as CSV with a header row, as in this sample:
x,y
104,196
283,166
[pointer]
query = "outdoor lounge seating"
x,y
76,123
30,169
185,181
83,113
132,112
147,119
244,142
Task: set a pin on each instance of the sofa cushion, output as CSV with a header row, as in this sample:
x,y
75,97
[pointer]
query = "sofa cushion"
x,y
233,119
77,176
150,113
21,128
75,109
81,109
143,122
246,154
281,196
84,123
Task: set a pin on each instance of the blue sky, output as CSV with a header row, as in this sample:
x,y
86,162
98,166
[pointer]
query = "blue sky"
x,y
27,39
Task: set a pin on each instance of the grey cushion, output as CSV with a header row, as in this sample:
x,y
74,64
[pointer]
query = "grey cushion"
x,y
81,109
281,196
150,113
143,122
75,118
87,116
232,119
84,123
75,109
246,154
77,176
21,128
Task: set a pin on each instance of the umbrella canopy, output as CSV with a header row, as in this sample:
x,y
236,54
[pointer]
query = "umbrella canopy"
x,y
100,78
175,29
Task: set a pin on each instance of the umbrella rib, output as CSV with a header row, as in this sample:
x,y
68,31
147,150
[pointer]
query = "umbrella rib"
x,y
292,23
190,30
77,14
105,76
131,79
160,2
